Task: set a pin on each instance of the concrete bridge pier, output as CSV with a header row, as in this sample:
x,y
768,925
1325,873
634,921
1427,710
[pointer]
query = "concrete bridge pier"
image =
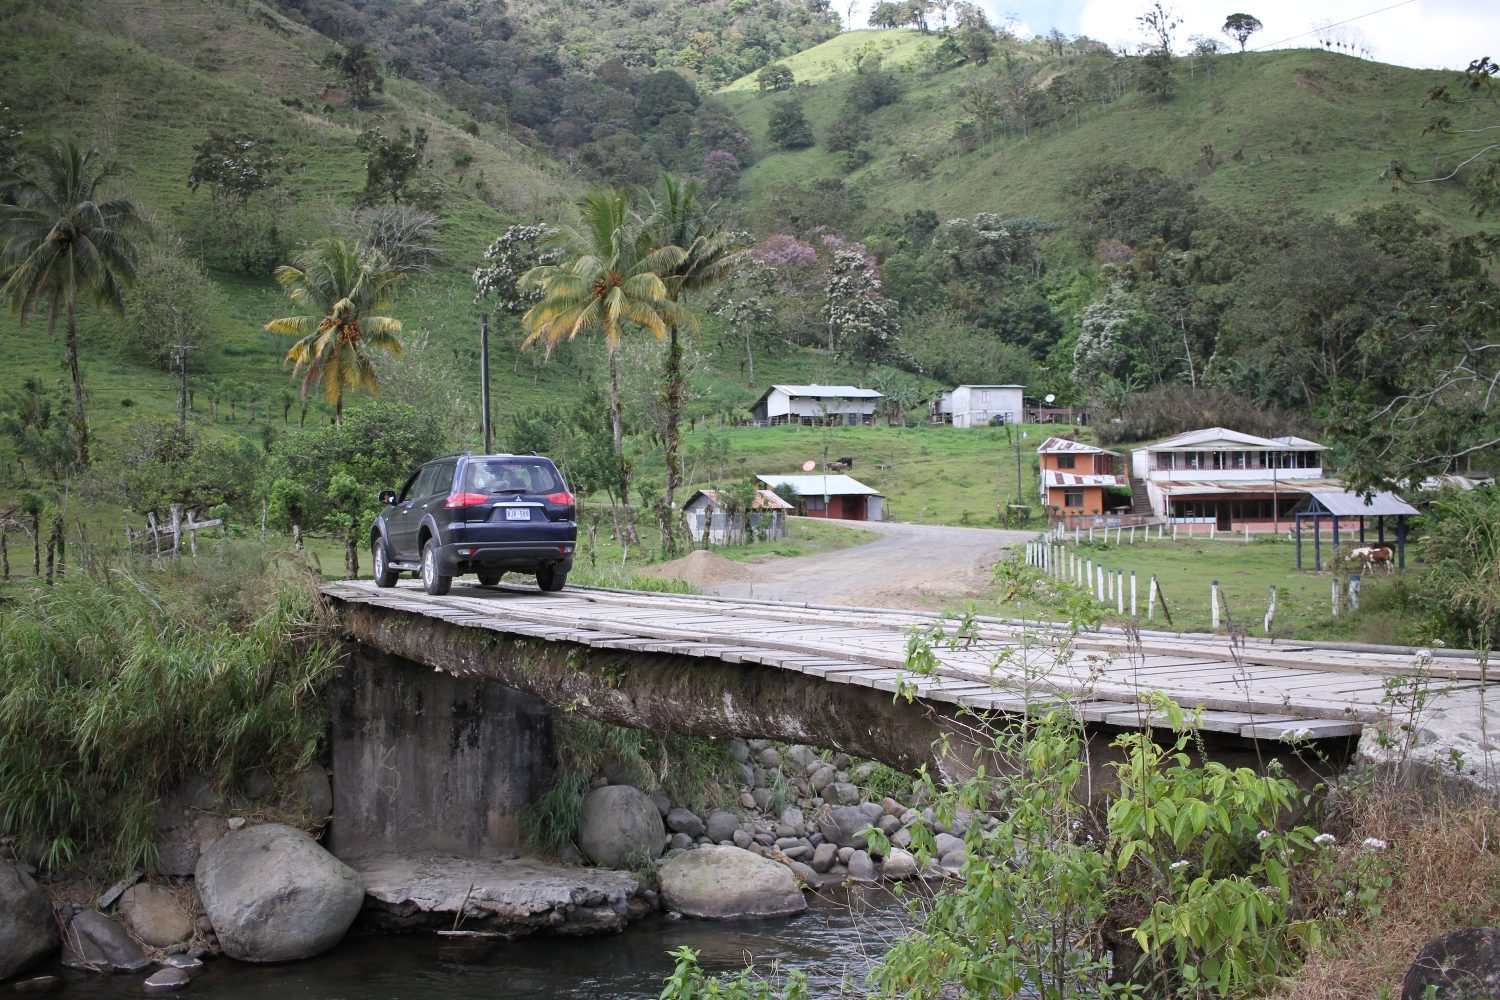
x,y
428,763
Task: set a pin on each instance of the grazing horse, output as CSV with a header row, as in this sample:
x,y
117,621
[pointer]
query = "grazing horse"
x,y
1371,556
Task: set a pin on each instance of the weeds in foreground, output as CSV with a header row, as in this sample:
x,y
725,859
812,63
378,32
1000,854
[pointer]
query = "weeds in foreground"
x,y
111,692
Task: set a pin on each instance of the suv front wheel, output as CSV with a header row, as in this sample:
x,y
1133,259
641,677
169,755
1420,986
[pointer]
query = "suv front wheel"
x,y
384,575
434,582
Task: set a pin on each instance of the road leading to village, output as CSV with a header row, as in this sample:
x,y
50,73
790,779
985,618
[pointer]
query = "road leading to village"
x,y
918,566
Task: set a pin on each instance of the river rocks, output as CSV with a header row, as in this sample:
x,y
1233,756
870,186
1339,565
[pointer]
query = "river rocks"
x,y
861,868
727,883
683,821
841,793
619,825
741,838
843,825
821,776
167,980
313,793
763,797
899,865
93,941
824,856
274,895
1460,965
155,915
27,933
792,823
769,759
946,844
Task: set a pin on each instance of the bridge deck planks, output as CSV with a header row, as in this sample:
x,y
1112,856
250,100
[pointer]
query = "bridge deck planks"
x,y
1257,689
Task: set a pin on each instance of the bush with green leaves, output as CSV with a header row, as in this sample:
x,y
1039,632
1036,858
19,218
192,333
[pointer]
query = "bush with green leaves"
x,y
111,692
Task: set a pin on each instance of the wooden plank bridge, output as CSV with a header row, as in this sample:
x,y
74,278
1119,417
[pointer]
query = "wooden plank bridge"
x,y
1253,689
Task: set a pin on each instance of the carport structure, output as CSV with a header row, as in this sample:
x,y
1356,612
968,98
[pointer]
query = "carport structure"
x,y
1338,504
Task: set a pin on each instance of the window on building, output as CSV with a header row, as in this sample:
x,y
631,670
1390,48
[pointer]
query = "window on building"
x,y
1067,461
1073,498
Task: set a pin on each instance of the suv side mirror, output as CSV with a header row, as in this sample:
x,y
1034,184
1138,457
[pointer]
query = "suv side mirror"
x,y
388,496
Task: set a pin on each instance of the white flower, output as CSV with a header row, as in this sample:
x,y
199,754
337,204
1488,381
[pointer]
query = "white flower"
x,y
1375,843
1325,838
1262,835
1270,890
1177,864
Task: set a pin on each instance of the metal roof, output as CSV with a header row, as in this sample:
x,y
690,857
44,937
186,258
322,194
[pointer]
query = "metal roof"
x,y
1347,504
1054,478
971,385
1207,487
1064,446
764,500
819,485
1221,437
826,391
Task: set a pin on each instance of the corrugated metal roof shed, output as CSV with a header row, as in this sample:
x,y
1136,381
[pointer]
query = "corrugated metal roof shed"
x,y
1052,478
1205,487
764,500
1347,504
829,391
819,485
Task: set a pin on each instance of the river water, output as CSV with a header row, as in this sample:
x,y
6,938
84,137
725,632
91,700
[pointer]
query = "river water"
x,y
837,940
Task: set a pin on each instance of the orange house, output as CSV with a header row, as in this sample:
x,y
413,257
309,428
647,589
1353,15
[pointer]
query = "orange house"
x,y
1076,478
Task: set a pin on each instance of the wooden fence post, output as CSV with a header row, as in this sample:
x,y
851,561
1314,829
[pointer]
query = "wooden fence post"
x,y
1271,610
1213,604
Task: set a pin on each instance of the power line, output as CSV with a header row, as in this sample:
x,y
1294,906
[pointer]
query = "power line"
x,y
1325,27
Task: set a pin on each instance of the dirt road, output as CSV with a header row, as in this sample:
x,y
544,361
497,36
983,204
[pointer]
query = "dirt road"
x,y
918,566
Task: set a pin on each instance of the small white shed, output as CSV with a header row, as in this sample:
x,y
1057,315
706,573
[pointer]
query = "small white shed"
x,y
710,522
979,405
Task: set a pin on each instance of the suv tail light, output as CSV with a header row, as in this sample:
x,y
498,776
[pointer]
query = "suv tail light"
x,y
466,500
566,499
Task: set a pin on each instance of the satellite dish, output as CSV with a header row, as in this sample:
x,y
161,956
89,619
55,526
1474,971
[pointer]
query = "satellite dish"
x,y
1048,398
809,465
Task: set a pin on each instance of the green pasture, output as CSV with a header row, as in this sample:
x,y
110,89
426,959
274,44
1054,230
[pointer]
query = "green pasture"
x,y
1186,570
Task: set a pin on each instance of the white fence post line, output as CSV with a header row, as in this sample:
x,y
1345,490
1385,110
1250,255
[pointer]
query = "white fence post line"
x,y
1271,610
1213,601
1133,605
1119,592
1335,597
1091,532
1151,599
1132,534
1174,532
1099,578
1354,592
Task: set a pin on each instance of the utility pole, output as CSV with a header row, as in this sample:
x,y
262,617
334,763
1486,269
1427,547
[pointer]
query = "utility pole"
x,y
1016,433
179,361
484,381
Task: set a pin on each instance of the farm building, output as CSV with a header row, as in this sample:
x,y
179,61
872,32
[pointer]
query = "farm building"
x,y
1231,480
1076,480
834,496
816,404
981,405
708,518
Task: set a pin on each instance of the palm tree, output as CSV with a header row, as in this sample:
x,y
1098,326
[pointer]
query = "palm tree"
x,y
679,219
59,242
608,278
342,287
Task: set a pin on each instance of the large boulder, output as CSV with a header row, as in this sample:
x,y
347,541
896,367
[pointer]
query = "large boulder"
x,y
727,883
273,895
27,933
1459,965
618,825
155,915
843,826
95,942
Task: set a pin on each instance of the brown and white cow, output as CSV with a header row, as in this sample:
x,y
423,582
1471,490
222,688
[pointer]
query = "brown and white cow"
x,y
1371,556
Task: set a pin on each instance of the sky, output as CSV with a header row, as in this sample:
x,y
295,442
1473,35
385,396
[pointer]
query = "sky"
x,y
1426,34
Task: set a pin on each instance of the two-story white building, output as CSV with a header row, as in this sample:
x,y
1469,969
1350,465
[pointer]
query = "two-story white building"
x,y
816,404
1232,480
980,405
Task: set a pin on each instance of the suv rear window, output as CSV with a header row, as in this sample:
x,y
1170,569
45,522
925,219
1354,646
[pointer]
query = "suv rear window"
x,y
511,476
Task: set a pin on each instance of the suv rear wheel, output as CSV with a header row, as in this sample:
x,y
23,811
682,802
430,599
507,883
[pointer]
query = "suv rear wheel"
x,y
384,575
551,578
434,582
488,578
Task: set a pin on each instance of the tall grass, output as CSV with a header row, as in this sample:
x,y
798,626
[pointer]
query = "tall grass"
x,y
111,692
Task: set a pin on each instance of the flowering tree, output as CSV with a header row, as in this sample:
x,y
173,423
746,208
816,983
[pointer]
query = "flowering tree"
x,y
721,171
861,320
518,250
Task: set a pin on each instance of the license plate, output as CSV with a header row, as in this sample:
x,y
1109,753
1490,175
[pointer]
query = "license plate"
x,y
518,513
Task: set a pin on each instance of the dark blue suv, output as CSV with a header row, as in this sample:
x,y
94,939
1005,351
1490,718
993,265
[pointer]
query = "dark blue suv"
x,y
482,514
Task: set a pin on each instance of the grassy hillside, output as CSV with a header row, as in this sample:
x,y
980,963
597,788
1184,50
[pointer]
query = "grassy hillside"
x,y
159,76
1292,131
